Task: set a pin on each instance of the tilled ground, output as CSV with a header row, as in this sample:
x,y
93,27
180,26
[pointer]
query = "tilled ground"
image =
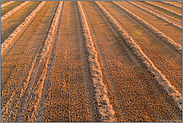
x,y
49,72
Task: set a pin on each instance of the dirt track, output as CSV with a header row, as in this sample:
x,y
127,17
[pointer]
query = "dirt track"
x,y
50,72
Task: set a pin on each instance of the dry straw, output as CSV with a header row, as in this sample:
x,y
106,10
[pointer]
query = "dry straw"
x,y
155,14
7,3
9,41
105,108
13,11
152,29
160,78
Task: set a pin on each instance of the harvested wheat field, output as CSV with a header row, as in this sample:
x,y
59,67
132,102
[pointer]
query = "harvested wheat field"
x,y
84,61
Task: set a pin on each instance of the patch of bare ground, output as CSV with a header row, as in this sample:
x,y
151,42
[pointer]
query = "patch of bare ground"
x,y
15,67
66,100
149,4
163,57
136,92
9,25
4,10
170,31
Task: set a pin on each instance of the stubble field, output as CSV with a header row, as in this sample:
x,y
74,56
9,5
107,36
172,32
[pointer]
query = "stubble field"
x,y
109,61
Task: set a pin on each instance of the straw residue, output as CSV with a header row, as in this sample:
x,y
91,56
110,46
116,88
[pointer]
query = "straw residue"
x,y
105,108
171,4
170,11
32,107
157,15
162,81
7,3
13,11
152,29
8,42
10,109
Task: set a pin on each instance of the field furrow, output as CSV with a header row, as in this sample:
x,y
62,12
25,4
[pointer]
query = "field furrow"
x,y
162,26
163,57
6,3
91,61
163,10
67,97
6,9
33,103
9,25
2,2
161,16
169,7
120,63
171,3
18,64
11,12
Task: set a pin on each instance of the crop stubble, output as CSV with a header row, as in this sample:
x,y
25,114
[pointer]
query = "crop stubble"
x,y
156,7
165,60
170,31
8,26
169,6
18,61
157,14
133,92
67,96
118,79
4,10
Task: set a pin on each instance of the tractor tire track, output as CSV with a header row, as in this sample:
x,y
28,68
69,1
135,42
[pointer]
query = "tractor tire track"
x,y
150,44
171,4
165,18
122,85
19,91
8,14
66,82
10,7
160,78
171,13
11,38
32,105
152,29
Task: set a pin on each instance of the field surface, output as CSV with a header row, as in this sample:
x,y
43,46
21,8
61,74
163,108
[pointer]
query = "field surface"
x,y
108,61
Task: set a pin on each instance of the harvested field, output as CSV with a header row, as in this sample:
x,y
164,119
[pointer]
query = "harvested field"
x,y
162,9
9,7
83,61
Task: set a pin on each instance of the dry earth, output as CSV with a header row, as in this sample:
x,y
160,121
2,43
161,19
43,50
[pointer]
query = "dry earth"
x,y
92,61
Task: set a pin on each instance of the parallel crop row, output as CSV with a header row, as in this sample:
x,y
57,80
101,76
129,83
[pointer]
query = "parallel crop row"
x,y
15,100
7,3
152,29
172,92
9,41
105,108
170,11
155,14
27,101
13,11
171,4
32,107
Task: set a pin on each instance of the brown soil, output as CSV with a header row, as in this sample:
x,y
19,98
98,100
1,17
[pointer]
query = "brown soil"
x,y
66,93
